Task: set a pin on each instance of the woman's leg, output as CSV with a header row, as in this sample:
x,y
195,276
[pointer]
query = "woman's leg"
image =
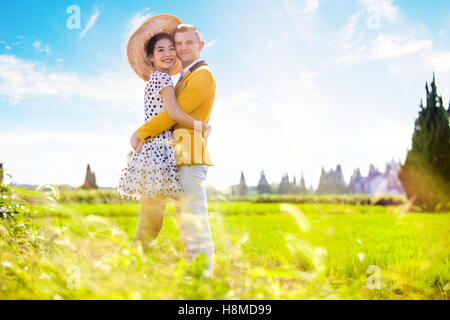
x,y
151,219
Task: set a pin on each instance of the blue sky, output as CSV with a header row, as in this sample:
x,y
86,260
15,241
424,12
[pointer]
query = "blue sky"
x,y
301,84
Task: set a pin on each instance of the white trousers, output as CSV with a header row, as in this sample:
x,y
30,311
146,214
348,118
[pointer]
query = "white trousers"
x,y
192,216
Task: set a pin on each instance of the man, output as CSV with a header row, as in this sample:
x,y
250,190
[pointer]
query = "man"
x,y
195,93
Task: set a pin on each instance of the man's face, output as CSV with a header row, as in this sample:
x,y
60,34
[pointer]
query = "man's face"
x,y
188,46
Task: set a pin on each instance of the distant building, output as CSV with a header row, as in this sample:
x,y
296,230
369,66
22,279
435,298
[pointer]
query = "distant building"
x,y
377,182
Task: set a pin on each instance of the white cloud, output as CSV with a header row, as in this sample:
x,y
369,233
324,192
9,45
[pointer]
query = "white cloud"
x,y
311,6
134,23
105,121
385,47
349,30
62,156
21,79
440,61
391,47
39,48
372,16
280,8
209,44
91,22
7,47
138,19
292,21
406,49
385,8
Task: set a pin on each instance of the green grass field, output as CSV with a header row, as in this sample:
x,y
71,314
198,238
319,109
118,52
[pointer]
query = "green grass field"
x,y
262,251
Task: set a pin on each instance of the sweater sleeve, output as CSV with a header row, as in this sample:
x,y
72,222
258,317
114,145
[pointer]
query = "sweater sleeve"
x,y
199,87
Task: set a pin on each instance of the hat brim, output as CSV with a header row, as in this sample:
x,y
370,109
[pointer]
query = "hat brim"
x,y
136,47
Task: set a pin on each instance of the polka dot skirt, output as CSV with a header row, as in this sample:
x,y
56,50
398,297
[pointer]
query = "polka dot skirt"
x,y
153,171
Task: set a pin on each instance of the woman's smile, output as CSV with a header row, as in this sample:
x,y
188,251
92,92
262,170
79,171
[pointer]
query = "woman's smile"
x,y
168,60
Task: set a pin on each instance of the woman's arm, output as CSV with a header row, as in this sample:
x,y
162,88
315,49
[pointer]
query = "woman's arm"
x,y
176,113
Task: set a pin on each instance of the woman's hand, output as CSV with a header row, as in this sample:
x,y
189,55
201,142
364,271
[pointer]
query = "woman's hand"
x,y
136,144
206,130
134,140
139,146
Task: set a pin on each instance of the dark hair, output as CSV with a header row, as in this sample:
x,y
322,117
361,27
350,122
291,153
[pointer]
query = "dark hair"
x,y
153,40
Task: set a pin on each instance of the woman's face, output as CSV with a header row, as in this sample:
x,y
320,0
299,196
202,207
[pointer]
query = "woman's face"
x,y
164,55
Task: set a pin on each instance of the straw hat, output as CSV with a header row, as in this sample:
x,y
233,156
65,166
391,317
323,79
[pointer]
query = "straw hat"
x,y
136,47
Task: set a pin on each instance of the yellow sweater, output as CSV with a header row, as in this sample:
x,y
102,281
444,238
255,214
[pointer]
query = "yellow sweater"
x,y
195,95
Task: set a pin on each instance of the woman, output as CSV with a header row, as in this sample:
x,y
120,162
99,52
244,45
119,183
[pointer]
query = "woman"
x,y
151,175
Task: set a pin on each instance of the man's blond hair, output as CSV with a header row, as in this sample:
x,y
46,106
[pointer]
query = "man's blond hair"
x,y
185,27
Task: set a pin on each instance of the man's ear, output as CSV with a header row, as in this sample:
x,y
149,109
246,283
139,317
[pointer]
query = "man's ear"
x,y
200,47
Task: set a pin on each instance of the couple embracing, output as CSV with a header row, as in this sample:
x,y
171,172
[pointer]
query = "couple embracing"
x,y
170,159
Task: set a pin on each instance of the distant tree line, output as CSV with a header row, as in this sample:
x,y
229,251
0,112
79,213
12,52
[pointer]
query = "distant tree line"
x,y
263,187
424,177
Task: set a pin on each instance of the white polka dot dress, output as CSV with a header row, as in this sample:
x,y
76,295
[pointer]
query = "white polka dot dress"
x,y
153,171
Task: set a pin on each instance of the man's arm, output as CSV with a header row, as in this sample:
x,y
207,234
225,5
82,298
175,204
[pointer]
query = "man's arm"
x,y
199,88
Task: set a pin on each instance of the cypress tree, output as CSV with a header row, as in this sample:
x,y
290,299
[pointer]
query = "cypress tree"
x,y
242,187
425,175
263,186
322,182
303,185
293,188
355,177
332,182
340,186
283,187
